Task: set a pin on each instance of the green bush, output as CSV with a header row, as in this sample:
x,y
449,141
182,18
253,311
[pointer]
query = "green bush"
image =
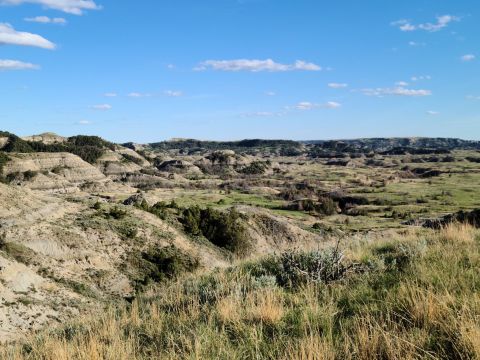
x,y
324,206
29,175
160,209
223,229
166,263
255,168
115,213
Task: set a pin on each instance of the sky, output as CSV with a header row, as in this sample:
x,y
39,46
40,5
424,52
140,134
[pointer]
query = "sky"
x,y
150,70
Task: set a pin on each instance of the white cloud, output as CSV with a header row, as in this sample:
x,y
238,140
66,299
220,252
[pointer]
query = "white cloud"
x,y
16,65
306,105
10,36
256,66
421,78
414,43
76,7
337,85
432,113
270,93
332,105
47,20
401,83
173,93
84,122
102,107
170,66
468,57
302,65
396,91
442,22
137,95
110,94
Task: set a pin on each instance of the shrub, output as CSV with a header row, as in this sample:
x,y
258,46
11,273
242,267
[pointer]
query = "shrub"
x,y
223,229
295,268
29,175
255,168
166,263
191,220
3,161
116,213
324,206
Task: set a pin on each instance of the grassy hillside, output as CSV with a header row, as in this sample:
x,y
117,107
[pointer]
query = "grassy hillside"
x,y
414,296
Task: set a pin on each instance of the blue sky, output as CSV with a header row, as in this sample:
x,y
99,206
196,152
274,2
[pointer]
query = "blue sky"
x,y
149,70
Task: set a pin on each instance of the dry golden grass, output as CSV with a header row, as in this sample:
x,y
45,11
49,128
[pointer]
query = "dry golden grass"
x,y
457,234
420,300
265,306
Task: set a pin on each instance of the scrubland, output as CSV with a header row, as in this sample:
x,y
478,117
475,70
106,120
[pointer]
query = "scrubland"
x,y
412,296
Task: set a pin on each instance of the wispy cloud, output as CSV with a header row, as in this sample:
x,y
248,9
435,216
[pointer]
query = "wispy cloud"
x,y
110,94
270,93
415,43
138,95
468,57
396,91
433,113
306,105
102,107
256,66
10,36
84,122
421,78
442,22
46,20
76,7
16,65
173,93
337,85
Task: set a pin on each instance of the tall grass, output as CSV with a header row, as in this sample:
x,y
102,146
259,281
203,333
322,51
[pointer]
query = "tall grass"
x,y
418,299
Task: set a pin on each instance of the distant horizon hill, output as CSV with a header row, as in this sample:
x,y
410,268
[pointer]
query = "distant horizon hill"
x,y
347,145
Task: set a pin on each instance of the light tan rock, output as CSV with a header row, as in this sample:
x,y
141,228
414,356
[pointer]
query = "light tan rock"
x,y
3,142
46,138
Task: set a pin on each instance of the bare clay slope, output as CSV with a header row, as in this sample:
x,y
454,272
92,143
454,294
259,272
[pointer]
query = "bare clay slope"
x,y
60,258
